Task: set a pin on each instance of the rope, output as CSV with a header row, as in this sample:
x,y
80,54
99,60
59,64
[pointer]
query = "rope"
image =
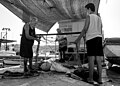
x,y
37,52
55,49
50,46
47,39
84,48
47,42
46,48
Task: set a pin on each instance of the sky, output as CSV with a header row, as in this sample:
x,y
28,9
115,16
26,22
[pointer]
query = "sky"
x,y
108,9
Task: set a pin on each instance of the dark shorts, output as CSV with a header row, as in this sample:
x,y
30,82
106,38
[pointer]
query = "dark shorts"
x,y
63,49
94,47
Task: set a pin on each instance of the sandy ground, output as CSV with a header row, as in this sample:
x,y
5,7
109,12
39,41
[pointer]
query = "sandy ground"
x,y
60,79
111,77
44,79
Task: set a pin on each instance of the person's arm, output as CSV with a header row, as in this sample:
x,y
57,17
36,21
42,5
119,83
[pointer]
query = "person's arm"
x,y
86,26
56,38
27,33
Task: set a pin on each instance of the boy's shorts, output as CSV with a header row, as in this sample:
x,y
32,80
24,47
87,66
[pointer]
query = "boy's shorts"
x,y
94,47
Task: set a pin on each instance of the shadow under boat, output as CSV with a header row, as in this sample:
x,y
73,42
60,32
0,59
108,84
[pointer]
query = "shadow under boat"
x,y
11,62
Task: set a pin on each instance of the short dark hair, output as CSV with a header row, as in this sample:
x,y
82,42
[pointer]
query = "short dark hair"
x,y
91,6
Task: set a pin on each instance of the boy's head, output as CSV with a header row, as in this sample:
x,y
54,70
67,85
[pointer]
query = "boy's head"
x,y
59,30
90,6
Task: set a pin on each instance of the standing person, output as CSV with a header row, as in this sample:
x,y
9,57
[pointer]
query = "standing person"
x,y
27,41
62,40
92,30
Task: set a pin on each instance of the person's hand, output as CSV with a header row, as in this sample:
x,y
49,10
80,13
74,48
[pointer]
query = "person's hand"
x,y
38,39
39,36
77,40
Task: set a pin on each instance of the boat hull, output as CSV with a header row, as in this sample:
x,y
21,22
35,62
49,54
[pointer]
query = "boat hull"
x,y
112,50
